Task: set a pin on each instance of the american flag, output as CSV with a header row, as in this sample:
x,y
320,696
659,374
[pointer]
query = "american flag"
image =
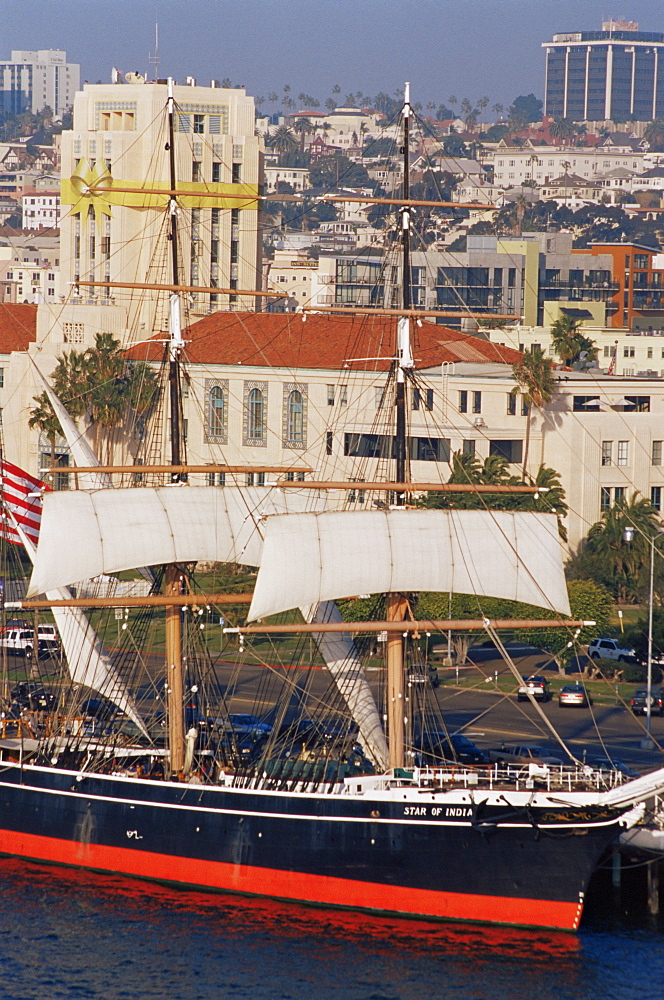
x,y
21,495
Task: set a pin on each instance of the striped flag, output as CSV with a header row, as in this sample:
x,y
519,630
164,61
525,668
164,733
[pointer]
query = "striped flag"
x,y
21,494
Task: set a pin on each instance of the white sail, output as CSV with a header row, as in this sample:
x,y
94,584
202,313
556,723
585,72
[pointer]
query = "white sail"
x,y
85,533
513,555
338,651
87,662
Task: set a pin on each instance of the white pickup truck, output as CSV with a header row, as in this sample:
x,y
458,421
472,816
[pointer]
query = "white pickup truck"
x,y
610,649
21,641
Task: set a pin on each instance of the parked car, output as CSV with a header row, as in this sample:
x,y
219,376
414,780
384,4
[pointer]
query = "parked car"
x,y
639,701
432,747
609,764
537,686
30,695
574,694
523,753
423,673
610,649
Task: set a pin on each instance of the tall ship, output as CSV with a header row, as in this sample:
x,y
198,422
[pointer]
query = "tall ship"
x,y
341,787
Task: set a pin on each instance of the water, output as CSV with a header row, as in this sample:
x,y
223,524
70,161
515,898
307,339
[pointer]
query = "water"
x,y
67,934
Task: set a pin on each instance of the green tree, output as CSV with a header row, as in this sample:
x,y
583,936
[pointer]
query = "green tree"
x,y
563,130
654,135
566,338
622,567
525,109
43,416
534,376
303,126
283,140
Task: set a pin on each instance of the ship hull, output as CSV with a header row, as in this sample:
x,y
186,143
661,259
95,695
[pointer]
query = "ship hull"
x,y
443,860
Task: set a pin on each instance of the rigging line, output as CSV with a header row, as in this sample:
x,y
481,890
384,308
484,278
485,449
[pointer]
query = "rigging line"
x,y
509,661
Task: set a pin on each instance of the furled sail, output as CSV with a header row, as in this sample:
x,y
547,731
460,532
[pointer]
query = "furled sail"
x,y
85,533
333,554
338,651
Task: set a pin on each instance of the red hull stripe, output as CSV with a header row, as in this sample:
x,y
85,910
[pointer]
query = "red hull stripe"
x,y
296,886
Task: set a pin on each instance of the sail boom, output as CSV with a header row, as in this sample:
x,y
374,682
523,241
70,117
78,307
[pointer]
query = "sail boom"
x,y
409,625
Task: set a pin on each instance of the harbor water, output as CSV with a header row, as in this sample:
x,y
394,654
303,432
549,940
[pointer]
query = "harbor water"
x,y
68,934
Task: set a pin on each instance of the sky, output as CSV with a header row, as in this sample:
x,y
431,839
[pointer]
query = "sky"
x,y
466,48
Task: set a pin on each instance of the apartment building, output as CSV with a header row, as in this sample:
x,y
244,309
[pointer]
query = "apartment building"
x,y
32,80
540,165
616,73
119,141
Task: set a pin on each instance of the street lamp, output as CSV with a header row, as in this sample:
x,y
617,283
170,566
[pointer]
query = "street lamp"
x,y
628,536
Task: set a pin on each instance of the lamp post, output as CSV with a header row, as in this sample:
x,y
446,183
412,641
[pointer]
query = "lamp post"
x,y
628,535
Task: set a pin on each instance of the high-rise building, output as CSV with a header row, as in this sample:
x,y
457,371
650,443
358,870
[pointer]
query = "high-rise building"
x,y
613,74
117,234
31,81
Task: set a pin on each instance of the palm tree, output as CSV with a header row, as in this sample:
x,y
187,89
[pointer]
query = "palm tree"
x,y
283,140
563,129
534,376
498,110
43,416
520,205
304,126
622,561
552,498
566,338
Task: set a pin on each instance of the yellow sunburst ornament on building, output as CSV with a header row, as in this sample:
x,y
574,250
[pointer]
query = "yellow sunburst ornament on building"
x,y
88,186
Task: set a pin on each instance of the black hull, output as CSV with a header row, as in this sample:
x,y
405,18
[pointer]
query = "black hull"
x,y
443,859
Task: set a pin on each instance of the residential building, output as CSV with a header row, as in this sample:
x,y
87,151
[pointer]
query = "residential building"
x,y
540,164
40,209
616,73
118,139
33,80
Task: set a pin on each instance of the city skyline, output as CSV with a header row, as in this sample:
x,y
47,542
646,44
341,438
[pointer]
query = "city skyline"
x,y
464,48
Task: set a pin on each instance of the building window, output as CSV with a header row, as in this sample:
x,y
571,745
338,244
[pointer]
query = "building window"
x,y
199,124
623,452
424,449
605,498
656,453
585,404
656,497
255,396
510,450
330,395
423,398
196,171
2,378
217,416
628,352
638,404
255,479
619,494
216,478
216,172
294,417
329,437
477,402
511,404
468,447
607,452
343,395
379,396
463,401
525,408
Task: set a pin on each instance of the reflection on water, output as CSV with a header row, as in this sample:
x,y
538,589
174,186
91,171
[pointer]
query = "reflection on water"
x,y
79,935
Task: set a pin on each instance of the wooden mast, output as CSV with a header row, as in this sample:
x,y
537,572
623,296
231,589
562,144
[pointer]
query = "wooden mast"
x,y
173,577
397,604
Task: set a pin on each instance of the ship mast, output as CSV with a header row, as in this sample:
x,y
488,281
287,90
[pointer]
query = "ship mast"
x,y
174,579
397,604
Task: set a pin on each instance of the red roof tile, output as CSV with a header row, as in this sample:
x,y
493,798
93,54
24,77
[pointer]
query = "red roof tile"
x,y
288,340
18,326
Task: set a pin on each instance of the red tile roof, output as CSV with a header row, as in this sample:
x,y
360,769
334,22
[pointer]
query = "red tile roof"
x,y
289,340
18,326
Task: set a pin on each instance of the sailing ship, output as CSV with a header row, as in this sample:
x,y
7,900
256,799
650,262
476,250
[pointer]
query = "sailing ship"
x,y
353,818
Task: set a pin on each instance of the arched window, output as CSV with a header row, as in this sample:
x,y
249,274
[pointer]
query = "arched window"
x,y
294,417
217,411
256,415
